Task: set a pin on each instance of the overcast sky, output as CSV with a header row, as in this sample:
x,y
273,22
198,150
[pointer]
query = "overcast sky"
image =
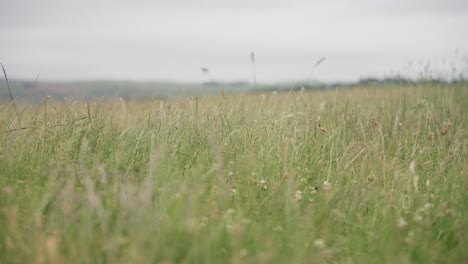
x,y
173,39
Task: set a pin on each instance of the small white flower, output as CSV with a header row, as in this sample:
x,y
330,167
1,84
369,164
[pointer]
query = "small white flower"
x,y
231,173
327,185
412,166
428,206
313,190
317,119
263,184
402,223
233,191
298,195
319,243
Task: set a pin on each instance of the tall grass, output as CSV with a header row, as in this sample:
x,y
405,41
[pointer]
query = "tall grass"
x,y
10,93
366,175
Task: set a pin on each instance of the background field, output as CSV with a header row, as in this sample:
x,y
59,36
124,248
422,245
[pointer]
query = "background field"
x,y
32,91
362,175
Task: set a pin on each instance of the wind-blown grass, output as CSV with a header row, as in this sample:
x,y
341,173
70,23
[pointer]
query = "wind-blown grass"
x,y
355,176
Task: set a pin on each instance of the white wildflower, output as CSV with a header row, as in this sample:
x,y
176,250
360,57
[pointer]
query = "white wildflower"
x,y
327,185
298,195
319,243
402,223
412,166
263,184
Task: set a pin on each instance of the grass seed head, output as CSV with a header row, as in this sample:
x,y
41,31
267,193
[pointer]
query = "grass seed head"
x,y
324,130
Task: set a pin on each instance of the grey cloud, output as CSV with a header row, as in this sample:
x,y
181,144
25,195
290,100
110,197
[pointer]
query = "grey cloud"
x,y
171,39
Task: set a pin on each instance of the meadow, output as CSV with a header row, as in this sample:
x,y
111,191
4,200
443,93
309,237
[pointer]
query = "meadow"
x,y
363,175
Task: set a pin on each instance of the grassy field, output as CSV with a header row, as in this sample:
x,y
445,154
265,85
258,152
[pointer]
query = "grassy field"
x,y
368,175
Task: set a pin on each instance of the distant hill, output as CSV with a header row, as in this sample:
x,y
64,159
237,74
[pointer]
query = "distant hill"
x,y
86,90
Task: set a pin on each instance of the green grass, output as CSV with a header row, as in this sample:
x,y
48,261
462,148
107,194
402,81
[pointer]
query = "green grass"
x,y
367,175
